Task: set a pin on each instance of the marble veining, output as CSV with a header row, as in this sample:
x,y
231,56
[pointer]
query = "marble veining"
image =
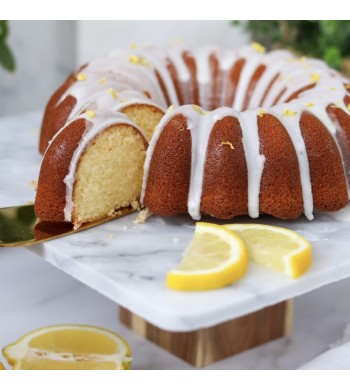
x,y
127,262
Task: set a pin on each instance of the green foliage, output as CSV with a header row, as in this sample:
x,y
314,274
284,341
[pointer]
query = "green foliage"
x,y
6,56
326,39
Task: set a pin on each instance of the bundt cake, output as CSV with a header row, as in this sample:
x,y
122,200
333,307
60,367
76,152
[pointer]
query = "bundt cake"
x,y
244,133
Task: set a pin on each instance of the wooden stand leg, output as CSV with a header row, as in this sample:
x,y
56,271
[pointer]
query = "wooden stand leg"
x,y
209,345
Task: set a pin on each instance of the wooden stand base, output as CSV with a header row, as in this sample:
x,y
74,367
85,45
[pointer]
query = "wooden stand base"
x,y
209,345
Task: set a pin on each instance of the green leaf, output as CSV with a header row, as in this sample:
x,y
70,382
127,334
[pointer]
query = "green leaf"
x,y
6,57
333,57
3,29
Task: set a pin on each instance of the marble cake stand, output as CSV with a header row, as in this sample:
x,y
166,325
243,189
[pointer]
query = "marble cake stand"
x,y
127,262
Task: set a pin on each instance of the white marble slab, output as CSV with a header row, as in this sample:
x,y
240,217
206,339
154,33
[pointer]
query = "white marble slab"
x,y
38,294
128,262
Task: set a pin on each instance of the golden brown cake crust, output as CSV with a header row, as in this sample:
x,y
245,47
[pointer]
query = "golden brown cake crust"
x,y
58,118
50,198
169,173
326,169
280,189
225,185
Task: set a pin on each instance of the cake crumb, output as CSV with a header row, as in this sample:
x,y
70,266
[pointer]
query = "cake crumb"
x,y
135,205
176,240
143,215
114,213
29,202
110,236
124,228
33,184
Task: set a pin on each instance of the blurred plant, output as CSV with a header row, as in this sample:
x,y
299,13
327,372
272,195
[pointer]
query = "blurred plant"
x,y
7,60
326,39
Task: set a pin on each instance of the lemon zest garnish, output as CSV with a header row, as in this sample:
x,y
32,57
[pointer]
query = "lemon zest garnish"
x,y
133,46
198,109
81,76
177,40
302,59
33,184
332,88
261,113
138,60
315,77
310,104
348,107
134,59
91,114
288,112
102,80
258,47
124,100
227,143
114,93
170,108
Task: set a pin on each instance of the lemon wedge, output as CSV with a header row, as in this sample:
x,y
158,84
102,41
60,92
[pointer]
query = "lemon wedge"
x,y
69,347
279,249
216,257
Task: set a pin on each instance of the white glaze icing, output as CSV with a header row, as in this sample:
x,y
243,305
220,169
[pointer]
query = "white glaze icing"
x,y
292,125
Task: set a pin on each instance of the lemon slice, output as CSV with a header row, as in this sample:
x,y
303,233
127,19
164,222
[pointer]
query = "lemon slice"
x,y
214,258
69,347
279,249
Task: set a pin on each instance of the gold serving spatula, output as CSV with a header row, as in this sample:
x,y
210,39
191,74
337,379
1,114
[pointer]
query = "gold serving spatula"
x,y
19,227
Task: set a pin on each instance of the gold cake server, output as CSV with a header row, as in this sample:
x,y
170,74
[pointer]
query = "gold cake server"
x,y
19,227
